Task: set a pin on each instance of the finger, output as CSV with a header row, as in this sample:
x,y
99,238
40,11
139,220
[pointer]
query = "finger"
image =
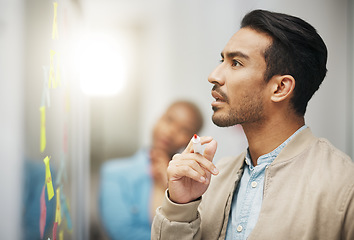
x,y
210,150
176,171
192,164
203,140
209,154
201,160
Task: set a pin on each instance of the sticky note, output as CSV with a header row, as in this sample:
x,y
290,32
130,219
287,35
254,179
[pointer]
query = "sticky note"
x,y
43,134
55,25
58,211
55,226
43,213
48,178
54,70
52,80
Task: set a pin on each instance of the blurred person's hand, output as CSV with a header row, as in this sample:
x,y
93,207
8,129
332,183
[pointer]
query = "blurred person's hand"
x,y
159,163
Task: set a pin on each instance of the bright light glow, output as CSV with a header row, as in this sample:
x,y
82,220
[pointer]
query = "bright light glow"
x,y
101,65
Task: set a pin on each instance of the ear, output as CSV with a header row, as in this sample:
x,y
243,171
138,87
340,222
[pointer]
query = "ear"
x,y
282,87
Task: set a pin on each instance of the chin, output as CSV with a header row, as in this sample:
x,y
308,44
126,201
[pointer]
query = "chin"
x,y
222,120
219,121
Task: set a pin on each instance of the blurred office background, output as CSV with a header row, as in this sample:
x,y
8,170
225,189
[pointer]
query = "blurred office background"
x,y
118,64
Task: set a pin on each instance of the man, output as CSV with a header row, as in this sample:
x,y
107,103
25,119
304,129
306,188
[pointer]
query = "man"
x,y
133,187
288,184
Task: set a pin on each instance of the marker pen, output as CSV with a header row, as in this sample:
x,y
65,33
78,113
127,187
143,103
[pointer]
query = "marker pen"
x,y
197,146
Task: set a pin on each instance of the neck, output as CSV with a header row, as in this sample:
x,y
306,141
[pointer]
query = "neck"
x,y
266,136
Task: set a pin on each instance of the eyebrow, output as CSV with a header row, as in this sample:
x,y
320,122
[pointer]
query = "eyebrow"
x,y
235,54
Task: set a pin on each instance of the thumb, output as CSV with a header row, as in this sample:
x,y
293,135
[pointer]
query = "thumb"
x,y
210,150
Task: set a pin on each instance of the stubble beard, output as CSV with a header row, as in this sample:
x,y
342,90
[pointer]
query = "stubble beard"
x,y
249,111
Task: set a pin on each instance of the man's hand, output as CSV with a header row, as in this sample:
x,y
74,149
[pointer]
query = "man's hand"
x,y
158,168
189,173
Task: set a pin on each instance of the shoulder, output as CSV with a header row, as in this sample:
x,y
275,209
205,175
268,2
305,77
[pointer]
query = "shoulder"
x,y
117,165
322,159
331,158
335,170
127,165
333,153
339,166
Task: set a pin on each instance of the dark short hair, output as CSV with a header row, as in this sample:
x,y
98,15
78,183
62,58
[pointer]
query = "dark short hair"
x,y
297,49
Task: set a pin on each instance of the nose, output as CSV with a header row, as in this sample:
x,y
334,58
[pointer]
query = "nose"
x,y
170,130
216,76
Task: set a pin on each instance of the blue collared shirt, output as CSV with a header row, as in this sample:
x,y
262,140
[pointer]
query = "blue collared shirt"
x,y
125,191
247,201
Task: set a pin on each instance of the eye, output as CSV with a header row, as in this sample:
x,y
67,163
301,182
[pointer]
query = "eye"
x,y
236,63
221,60
169,119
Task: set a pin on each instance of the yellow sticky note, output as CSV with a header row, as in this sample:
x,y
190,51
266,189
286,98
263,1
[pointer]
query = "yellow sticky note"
x,y
61,235
48,178
58,211
43,135
52,81
55,25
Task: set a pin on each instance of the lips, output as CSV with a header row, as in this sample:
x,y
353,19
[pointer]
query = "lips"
x,y
218,97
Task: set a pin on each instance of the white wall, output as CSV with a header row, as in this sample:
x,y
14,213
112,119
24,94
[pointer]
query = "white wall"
x,y
181,43
350,90
11,124
198,30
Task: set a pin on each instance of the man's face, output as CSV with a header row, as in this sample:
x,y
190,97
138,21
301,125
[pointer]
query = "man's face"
x,y
239,80
174,129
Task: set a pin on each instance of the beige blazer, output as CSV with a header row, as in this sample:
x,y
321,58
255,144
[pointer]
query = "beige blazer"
x,y
308,194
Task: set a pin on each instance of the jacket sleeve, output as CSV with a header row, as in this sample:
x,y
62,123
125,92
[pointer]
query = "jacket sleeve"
x,y
176,221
